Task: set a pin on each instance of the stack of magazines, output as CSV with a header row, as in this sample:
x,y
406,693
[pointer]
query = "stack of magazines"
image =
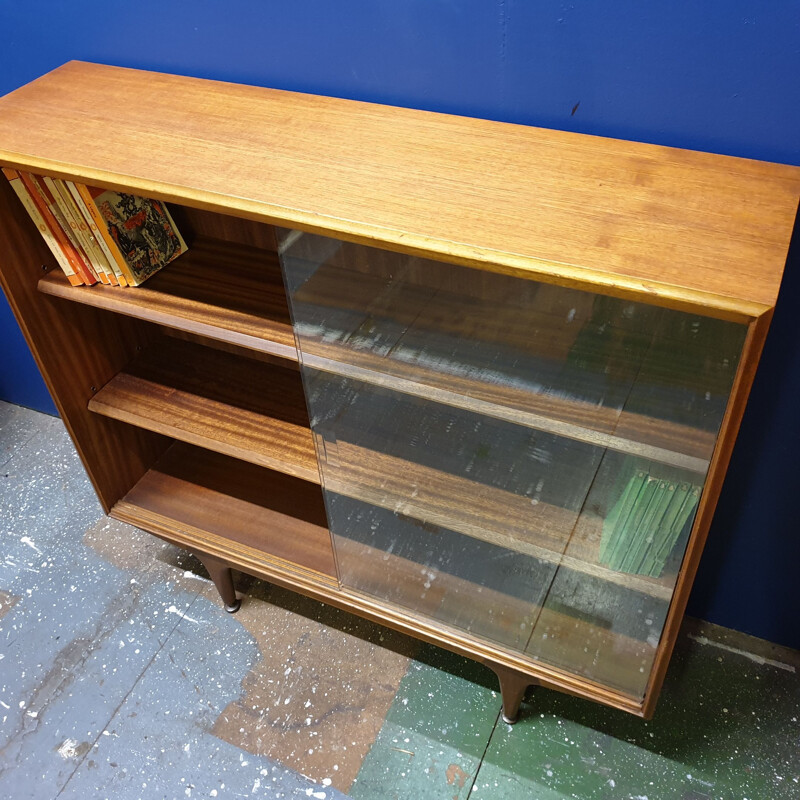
x,y
99,235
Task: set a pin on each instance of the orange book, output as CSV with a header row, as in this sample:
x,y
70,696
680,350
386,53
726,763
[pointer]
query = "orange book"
x,y
113,252
35,214
40,186
51,195
39,193
80,228
58,232
98,229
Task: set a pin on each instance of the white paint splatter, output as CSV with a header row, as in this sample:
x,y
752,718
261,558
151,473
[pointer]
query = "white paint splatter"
x,y
68,749
174,610
28,541
752,656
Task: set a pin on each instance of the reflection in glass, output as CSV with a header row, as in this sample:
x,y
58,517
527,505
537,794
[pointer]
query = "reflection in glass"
x,y
520,461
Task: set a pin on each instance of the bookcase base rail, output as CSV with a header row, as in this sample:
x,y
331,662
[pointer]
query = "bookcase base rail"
x,y
514,673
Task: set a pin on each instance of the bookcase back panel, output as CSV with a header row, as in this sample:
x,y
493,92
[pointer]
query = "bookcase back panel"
x,y
197,223
482,436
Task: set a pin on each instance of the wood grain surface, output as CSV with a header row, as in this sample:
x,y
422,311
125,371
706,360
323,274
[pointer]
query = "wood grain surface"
x,y
218,289
686,229
206,397
201,494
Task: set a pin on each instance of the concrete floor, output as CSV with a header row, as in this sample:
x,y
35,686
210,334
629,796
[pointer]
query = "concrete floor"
x,y
122,677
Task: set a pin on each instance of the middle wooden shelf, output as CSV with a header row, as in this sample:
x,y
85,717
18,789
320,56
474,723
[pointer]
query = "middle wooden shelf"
x,y
213,399
256,412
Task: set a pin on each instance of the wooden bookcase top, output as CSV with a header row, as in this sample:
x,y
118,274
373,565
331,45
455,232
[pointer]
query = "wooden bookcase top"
x,y
683,229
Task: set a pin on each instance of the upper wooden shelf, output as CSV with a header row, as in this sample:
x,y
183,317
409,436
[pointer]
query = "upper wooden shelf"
x,y
231,293
684,229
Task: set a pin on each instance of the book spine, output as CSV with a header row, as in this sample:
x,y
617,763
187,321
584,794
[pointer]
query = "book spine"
x,y
36,185
97,253
612,543
73,228
90,245
35,214
113,253
58,232
650,526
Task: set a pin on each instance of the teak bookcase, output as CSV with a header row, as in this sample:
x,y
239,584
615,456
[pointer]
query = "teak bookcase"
x,y
478,382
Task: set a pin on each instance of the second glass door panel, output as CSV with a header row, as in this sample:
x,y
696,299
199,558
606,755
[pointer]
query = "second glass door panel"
x,y
518,461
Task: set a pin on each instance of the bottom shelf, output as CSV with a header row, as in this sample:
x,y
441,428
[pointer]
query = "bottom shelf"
x,y
550,636
195,496
264,522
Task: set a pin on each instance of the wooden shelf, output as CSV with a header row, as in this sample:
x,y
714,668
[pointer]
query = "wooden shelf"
x,y
194,496
226,291
256,413
397,323
213,399
468,397
483,512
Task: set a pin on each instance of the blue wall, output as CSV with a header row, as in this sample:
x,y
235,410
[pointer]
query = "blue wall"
x,y
721,75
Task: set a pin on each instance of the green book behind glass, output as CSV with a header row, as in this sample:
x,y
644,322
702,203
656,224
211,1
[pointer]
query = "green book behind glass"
x,y
651,525
646,522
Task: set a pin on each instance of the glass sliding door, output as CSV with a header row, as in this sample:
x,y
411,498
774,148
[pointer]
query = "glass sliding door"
x,y
518,461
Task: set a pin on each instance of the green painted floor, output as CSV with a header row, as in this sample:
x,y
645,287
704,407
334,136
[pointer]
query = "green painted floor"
x,y
122,677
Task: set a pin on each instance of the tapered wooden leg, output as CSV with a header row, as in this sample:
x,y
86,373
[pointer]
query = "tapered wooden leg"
x,y
221,574
512,690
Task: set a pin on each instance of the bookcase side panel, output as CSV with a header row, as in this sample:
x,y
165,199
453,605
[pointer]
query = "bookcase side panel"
x,y
77,349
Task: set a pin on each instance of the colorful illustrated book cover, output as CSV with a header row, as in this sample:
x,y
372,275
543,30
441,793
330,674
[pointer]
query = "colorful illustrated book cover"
x,y
142,229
